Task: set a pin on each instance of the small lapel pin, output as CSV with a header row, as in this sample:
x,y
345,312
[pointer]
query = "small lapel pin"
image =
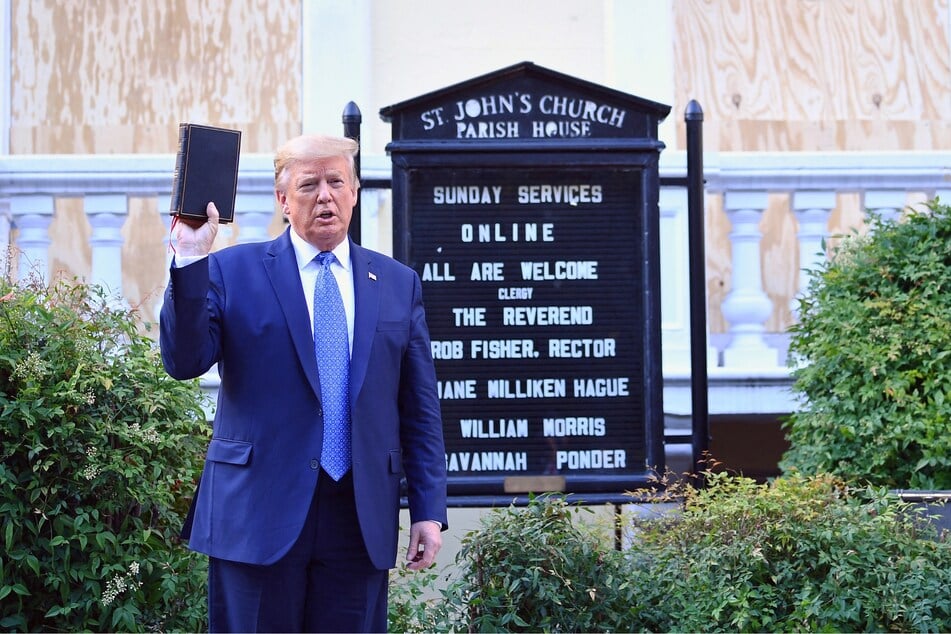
x,y
372,276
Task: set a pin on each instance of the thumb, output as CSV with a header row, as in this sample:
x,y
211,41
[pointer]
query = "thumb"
x,y
212,212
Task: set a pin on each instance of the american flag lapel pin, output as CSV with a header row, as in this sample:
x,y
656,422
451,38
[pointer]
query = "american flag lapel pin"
x,y
371,275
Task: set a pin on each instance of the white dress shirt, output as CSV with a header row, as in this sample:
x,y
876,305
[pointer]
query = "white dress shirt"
x,y
343,273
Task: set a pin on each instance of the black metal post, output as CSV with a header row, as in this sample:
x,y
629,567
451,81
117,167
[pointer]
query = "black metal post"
x,y
700,439
351,129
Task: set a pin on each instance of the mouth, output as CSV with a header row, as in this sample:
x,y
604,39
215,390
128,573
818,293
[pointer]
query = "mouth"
x,y
326,214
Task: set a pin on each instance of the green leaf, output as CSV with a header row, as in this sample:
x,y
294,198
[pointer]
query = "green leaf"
x,y
14,622
105,539
33,563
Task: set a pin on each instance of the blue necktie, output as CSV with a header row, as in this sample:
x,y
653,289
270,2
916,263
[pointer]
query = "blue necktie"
x,y
333,363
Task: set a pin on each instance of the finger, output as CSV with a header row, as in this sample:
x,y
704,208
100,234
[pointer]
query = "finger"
x,y
421,560
189,221
415,539
212,212
415,552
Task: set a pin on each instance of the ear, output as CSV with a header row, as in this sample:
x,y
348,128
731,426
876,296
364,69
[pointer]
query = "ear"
x,y
281,200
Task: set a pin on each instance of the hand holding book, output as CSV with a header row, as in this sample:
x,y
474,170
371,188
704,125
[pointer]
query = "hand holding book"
x,y
195,237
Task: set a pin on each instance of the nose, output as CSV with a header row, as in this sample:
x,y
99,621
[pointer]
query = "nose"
x,y
323,192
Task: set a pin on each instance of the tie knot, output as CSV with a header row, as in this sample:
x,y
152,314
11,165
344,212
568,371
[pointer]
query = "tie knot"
x,y
325,258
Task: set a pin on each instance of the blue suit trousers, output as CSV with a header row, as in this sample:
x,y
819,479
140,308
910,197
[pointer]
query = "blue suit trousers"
x,y
325,583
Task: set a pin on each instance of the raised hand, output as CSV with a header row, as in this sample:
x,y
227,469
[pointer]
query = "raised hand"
x,y
194,236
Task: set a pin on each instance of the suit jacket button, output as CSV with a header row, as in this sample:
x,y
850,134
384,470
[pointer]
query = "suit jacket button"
x,y
314,464
320,411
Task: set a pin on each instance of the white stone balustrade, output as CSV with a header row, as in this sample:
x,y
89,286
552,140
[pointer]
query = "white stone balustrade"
x,y
254,213
106,214
32,215
6,225
812,209
887,203
749,377
747,307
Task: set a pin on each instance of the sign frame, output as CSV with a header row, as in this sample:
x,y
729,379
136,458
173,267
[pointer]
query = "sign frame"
x,y
417,158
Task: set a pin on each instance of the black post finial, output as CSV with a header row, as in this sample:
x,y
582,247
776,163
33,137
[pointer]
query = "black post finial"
x,y
693,112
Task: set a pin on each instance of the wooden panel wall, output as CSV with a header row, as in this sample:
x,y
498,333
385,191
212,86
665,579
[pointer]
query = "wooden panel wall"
x,y
808,75
816,74
112,76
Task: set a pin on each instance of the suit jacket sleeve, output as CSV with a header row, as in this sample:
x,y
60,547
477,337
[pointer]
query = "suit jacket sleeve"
x,y
190,325
421,423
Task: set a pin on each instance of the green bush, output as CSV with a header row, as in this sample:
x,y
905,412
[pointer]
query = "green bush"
x,y
525,570
100,449
800,554
537,570
872,358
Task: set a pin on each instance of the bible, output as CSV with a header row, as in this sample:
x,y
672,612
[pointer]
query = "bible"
x,y
206,170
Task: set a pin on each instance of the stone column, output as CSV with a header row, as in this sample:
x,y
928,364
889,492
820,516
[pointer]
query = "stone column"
x,y
253,214
812,209
32,215
6,228
747,306
889,203
106,214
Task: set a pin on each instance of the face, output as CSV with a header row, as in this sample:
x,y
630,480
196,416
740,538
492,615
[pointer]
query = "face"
x,y
319,200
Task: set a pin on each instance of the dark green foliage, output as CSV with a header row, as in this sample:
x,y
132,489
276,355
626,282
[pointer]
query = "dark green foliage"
x,y
802,554
872,358
100,449
537,570
526,570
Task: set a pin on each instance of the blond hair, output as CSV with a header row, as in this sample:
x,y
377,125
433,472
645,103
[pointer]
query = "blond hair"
x,y
310,147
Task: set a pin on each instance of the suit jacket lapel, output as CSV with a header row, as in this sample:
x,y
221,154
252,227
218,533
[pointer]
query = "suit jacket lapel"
x,y
366,291
281,266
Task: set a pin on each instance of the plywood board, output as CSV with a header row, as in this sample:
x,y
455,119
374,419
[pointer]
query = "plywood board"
x,y
815,75
115,76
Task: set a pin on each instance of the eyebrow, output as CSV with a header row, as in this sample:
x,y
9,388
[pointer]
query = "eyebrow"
x,y
332,173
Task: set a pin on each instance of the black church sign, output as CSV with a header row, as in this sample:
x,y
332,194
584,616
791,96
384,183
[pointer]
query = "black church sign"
x,y
527,202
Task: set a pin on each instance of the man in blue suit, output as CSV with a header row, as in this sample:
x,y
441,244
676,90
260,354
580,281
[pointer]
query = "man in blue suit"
x,y
292,547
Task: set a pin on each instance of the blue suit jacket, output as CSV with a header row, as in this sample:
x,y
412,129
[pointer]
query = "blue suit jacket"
x,y
243,308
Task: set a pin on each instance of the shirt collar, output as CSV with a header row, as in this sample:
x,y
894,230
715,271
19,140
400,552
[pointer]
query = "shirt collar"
x,y
306,252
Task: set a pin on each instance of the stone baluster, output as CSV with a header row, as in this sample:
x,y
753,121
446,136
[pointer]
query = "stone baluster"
x,y
32,215
253,213
747,306
376,229
163,204
888,203
106,214
6,227
812,209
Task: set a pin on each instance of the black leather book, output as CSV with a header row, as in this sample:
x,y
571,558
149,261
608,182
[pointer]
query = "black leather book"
x,y
206,170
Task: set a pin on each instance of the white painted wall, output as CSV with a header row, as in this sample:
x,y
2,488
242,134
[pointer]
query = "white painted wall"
x,y
378,53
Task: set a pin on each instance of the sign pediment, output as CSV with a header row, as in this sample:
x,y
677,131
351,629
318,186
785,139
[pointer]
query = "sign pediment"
x,y
524,103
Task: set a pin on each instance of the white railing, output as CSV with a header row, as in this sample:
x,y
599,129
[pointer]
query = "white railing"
x,y
746,370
